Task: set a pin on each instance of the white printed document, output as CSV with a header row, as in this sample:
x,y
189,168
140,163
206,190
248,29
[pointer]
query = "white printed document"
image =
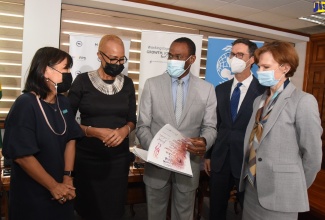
x,y
168,150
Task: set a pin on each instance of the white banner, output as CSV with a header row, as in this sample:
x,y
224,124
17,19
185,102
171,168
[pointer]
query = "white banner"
x,y
154,53
84,48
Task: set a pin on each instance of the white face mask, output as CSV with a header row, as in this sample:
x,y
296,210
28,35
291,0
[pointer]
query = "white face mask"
x,y
237,65
175,68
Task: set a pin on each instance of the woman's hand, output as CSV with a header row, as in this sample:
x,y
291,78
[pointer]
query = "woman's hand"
x,y
61,192
72,192
116,137
102,133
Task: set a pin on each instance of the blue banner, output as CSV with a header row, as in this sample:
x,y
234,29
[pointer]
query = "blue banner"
x,y
217,66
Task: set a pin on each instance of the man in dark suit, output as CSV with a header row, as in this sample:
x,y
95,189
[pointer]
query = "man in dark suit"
x,y
235,104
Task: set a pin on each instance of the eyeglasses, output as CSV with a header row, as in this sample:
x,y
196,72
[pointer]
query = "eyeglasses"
x,y
55,69
238,55
122,60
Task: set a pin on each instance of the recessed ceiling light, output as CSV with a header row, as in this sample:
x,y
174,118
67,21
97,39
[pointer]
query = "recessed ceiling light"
x,y
318,18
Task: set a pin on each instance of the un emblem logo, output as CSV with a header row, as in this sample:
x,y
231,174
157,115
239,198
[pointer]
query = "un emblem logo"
x,y
223,67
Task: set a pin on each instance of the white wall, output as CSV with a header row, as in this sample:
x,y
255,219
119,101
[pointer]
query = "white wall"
x,y
41,28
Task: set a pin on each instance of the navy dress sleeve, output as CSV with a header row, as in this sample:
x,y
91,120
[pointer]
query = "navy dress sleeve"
x,y
19,137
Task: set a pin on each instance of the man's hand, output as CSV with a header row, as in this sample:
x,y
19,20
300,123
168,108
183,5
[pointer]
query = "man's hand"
x,y
199,146
207,166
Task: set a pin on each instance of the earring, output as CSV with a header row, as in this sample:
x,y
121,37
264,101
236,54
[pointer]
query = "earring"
x,y
47,79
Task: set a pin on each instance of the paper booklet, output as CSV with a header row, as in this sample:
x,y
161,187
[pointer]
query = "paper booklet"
x,y
168,150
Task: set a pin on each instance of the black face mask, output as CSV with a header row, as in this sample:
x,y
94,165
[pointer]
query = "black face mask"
x,y
113,69
65,85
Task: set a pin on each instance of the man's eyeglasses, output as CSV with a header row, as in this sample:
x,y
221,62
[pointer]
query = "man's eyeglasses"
x,y
238,55
121,60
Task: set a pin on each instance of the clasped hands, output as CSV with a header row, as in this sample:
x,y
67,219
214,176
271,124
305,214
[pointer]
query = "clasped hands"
x,y
113,137
62,192
199,146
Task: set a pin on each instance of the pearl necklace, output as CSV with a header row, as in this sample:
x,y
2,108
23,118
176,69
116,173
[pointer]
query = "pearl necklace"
x,y
45,117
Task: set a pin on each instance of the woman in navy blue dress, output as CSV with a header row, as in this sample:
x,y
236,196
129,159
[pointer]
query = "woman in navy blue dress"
x,y
40,133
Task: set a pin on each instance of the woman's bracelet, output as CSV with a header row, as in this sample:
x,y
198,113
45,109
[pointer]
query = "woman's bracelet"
x,y
86,130
129,129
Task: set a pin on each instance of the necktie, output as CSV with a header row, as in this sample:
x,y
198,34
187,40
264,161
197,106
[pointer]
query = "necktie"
x,y
179,100
257,133
234,101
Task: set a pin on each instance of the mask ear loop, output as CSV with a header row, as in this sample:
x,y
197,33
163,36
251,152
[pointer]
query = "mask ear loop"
x,y
283,74
189,66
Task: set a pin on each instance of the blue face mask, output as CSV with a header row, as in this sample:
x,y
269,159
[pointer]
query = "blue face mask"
x,y
266,78
175,68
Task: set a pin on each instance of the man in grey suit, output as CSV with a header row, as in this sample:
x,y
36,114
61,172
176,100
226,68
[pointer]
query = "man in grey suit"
x,y
193,115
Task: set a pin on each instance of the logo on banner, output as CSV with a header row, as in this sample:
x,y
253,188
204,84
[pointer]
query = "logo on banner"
x,y
82,58
223,67
217,66
162,52
79,43
319,6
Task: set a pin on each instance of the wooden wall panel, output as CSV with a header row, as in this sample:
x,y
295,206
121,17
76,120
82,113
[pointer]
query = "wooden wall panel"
x,y
315,76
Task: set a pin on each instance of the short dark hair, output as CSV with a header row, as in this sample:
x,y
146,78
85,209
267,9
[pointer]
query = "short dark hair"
x,y
282,52
190,44
251,45
46,56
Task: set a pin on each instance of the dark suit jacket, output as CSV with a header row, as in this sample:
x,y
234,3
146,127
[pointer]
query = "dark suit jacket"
x,y
230,137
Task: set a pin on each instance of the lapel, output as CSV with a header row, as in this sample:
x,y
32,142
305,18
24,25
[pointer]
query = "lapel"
x,y
166,90
191,95
248,97
227,93
278,107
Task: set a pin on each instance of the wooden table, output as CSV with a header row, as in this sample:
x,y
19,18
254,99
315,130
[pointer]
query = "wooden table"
x,y
136,188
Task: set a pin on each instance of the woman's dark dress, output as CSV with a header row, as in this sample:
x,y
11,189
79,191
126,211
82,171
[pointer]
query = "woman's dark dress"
x,y
101,172
27,133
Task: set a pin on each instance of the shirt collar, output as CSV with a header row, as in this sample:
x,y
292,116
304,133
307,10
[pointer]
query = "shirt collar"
x,y
185,79
245,83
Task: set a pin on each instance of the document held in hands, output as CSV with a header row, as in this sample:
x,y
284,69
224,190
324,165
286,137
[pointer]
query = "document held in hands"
x,y
168,150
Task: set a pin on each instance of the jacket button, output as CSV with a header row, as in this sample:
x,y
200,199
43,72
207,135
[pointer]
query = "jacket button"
x,y
259,159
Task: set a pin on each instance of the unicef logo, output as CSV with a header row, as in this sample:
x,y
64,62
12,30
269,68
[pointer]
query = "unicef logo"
x,y
79,43
223,68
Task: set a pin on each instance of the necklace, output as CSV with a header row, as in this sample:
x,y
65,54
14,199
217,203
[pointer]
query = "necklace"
x,y
45,117
52,105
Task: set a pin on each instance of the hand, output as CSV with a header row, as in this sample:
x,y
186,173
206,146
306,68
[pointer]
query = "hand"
x,y
207,166
116,137
199,146
72,192
60,192
102,133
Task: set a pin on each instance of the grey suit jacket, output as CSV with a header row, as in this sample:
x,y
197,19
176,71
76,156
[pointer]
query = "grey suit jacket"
x,y
198,119
289,154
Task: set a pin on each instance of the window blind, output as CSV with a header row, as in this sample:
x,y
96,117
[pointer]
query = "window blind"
x,y
11,39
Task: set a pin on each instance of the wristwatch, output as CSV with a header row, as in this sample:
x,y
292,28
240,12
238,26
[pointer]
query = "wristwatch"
x,y
68,173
